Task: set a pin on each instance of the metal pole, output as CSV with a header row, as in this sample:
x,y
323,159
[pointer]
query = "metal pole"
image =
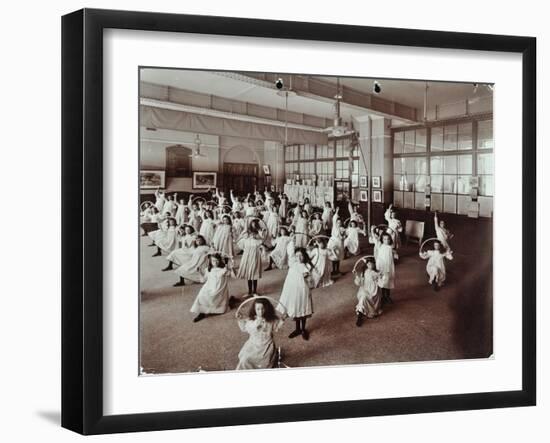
x,y
369,177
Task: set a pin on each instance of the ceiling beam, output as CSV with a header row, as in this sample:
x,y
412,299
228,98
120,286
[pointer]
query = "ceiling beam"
x,y
315,88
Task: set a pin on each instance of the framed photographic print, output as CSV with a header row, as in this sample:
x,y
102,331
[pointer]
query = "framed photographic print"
x,y
266,170
141,323
152,179
363,181
204,180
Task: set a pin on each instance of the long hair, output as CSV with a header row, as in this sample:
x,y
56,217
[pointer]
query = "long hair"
x,y
221,261
385,234
269,310
307,259
201,238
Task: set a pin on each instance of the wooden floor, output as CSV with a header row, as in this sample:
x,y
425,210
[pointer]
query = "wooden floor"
x,y
422,325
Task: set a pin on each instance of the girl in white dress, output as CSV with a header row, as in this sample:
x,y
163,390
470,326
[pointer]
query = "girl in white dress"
x,y
207,227
336,244
386,266
160,199
351,243
239,226
250,267
436,264
368,298
180,255
272,221
307,206
279,256
443,234
327,217
165,239
301,228
283,207
237,205
180,210
296,295
395,226
194,268
353,214
223,236
259,351
213,298
315,225
321,256
170,206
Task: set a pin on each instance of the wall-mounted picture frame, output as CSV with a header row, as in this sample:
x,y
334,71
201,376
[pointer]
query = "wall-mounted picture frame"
x,y
377,182
363,195
151,179
363,181
267,170
205,180
100,397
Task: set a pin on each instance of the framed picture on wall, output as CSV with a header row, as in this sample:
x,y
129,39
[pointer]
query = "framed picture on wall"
x,y
152,179
267,170
205,180
363,181
118,306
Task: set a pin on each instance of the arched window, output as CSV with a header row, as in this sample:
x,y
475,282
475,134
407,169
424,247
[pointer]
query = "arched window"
x,y
178,162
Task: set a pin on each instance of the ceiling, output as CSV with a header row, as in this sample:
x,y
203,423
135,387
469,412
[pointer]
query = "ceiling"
x,y
407,92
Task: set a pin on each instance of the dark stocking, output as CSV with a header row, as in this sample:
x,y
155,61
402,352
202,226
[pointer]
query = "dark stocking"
x,y
249,287
254,286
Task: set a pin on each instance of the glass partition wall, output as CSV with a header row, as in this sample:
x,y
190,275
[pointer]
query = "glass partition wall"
x,y
444,156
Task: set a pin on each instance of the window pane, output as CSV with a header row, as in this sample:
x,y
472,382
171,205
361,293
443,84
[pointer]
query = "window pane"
x,y
485,134
397,165
449,164
403,182
398,138
409,142
465,136
437,183
485,164
449,184
420,183
464,164
302,152
420,144
450,138
420,166
486,185
409,165
463,184
397,182
437,139
436,165
330,150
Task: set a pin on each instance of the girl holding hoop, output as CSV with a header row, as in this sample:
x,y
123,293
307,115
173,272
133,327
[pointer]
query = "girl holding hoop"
x,y
327,217
296,295
315,225
213,298
436,263
300,222
321,256
351,243
194,268
442,233
207,226
259,351
250,267
384,263
395,225
279,255
368,298
222,239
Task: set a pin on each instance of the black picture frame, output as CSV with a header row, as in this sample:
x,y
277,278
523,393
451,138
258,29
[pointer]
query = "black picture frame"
x,y
82,251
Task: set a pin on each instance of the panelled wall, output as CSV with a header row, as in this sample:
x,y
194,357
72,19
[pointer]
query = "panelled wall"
x,y
444,156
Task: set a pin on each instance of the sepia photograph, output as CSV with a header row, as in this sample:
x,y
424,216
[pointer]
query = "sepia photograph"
x,y
271,260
